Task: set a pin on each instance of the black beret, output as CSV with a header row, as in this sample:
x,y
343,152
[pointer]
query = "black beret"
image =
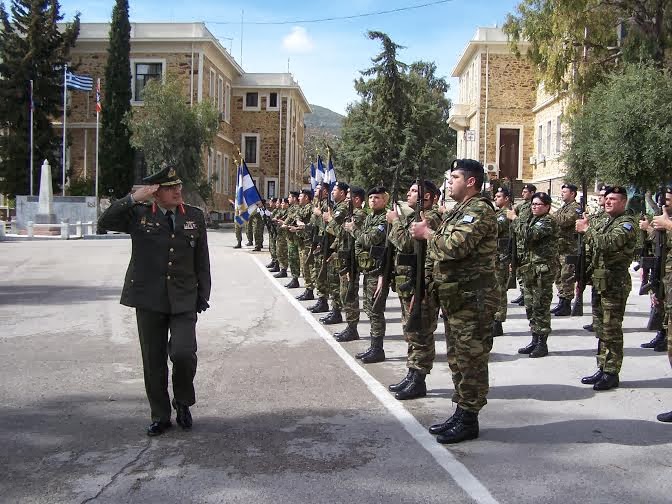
x,y
307,192
342,186
468,165
571,187
616,190
357,191
376,190
294,193
164,177
545,198
504,191
530,187
431,187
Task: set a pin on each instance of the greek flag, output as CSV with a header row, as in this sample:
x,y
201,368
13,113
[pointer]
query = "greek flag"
x,y
78,82
313,180
320,172
247,195
330,177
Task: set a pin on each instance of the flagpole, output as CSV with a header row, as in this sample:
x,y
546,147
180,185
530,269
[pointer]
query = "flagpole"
x,y
97,130
65,110
32,138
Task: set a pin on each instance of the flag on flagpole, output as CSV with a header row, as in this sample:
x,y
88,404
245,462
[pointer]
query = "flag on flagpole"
x,y
330,176
99,107
320,172
313,179
247,195
78,82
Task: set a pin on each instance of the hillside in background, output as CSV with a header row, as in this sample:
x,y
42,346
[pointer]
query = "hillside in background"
x,y
323,120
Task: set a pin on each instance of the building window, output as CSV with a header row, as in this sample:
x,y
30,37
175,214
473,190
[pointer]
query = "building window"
x,y
251,101
548,137
226,176
211,88
218,184
540,140
220,94
211,160
143,72
227,103
271,188
250,142
558,134
272,102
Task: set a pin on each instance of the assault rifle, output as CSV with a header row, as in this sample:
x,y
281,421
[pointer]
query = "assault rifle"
x,y
579,260
351,261
414,322
654,270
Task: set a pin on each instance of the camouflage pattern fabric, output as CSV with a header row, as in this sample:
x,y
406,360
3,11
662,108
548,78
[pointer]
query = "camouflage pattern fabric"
x,y
238,229
461,277
524,213
538,269
249,230
566,218
273,239
318,258
351,308
304,243
502,262
292,242
257,223
334,227
376,319
613,245
668,293
281,243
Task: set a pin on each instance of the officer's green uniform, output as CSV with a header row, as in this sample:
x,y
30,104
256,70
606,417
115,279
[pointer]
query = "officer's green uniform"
x,y
350,306
566,218
502,261
461,267
293,241
168,274
304,242
334,228
421,351
612,245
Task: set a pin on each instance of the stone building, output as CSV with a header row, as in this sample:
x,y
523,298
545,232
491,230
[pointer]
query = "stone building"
x,y
262,114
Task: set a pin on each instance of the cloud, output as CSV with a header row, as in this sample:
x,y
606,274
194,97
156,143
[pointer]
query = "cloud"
x,y
297,41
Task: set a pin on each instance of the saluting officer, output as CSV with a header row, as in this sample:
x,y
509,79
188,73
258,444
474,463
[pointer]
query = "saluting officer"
x,y
167,282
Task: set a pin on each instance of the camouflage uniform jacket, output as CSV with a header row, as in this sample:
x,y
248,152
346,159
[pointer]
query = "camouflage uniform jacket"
x,y
540,241
464,247
503,235
404,244
372,233
292,216
304,214
340,212
613,245
566,218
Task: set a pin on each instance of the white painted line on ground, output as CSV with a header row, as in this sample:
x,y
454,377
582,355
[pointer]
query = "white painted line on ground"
x,y
460,474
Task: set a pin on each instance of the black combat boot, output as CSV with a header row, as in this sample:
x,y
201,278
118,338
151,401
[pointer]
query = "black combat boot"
x,y
238,245
415,388
661,346
306,295
396,387
333,317
271,264
275,268
520,299
249,244
541,350
592,379
606,382
497,329
530,346
442,427
564,308
320,307
257,248
376,353
589,327
660,335
665,417
293,283
465,428
281,274
360,355
350,333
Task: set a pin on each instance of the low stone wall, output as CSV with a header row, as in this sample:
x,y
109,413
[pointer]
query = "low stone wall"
x,y
67,208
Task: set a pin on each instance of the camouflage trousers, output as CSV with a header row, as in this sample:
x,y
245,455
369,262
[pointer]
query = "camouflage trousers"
x,y
608,311
538,297
249,231
351,307
469,341
257,224
273,245
293,253
502,274
239,232
421,350
377,319
564,278
334,283
320,281
281,247
306,267
667,280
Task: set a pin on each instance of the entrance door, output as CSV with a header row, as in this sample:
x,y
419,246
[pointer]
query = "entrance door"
x,y
509,143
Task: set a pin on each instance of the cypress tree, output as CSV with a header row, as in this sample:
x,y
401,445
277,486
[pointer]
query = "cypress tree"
x,y
31,47
116,154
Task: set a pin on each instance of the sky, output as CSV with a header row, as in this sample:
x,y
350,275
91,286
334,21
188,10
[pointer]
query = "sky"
x,y
324,57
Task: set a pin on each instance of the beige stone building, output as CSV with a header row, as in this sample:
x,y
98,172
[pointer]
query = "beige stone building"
x,y
502,118
260,114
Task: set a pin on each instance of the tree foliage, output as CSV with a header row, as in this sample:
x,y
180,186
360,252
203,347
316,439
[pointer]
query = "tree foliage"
x,y
31,48
623,134
116,153
399,120
170,131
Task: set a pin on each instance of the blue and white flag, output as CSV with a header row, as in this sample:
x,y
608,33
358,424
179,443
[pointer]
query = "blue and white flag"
x,y
78,82
247,195
330,177
313,179
320,172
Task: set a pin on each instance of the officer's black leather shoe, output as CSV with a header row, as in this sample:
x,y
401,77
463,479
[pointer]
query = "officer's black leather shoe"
x,y
465,428
158,428
350,333
530,346
665,417
415,388
333,317
607,381
360,355
592,379
293,284
281,274
518,300
660,335
661,346
238,245
306,295
373,356
442,427
183,415
589,327
564,308
396,387
497,329
320,307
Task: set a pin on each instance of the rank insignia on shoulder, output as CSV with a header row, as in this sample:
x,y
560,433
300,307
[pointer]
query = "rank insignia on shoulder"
x,y
381,227
190,225
540,223
468,218
336,214
578,211
627,226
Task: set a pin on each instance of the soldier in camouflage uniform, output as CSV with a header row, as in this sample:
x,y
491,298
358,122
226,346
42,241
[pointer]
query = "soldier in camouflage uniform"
x,y
292,240
334,220
520,216
503,257
356,197
249,232
421,350
283,258
538,270
305,243
372,233
461,277
320,207
565,280
612,247
663,222
273,236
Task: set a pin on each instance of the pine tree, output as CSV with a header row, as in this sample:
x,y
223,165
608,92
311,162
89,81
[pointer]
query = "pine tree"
x,y
116,154
31,48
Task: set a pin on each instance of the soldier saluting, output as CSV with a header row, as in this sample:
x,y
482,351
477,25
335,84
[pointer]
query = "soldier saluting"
x,y
167,282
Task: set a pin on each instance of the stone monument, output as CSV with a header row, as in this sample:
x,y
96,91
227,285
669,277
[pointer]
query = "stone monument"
x,y
45,213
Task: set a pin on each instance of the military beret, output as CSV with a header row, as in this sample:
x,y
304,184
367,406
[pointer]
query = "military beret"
x,y
357,191
530,187
545,198
294,193
571,187
668,188
164,177
342,186
307,192
616,190
467,165
504,191
376,190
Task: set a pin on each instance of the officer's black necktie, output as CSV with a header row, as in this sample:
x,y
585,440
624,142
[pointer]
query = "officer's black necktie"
x,y
171,224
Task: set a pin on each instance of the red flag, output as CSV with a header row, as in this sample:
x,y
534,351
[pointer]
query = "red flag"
x,y
98,105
